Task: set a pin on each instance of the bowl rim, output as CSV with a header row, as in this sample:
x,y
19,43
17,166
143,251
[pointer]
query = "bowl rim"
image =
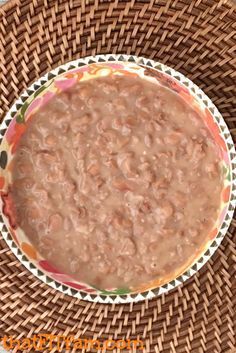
x,y
196,266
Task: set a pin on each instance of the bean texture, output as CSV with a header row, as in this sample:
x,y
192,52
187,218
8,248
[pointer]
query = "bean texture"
x,y
117,181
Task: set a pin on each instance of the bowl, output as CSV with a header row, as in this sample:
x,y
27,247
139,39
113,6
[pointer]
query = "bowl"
x,y
64,77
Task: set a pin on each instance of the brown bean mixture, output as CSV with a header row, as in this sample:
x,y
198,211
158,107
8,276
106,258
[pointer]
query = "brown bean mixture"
x,y
117,182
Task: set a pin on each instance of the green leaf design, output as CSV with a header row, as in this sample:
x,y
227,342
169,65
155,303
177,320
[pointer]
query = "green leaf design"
x,y
43,88
226,172
20,119
40,90
24,108
122,291
119,291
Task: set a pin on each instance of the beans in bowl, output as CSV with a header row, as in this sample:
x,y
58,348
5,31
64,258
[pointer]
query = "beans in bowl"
x,y
116,181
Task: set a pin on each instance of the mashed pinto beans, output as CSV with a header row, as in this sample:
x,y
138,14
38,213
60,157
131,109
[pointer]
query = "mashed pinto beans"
x,y
117,181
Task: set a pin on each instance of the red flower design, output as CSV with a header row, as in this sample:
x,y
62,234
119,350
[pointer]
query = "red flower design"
x,y
215,130
2,182
79,286
8,209
213,234
19,130
48,267
226,194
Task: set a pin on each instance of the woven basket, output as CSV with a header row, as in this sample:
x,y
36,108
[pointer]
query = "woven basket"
x,y
197,38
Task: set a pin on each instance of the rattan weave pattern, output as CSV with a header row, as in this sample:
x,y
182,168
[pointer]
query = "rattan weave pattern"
x,y
196,37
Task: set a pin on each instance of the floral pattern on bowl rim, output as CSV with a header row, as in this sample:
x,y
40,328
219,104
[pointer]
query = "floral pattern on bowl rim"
x,y
65,76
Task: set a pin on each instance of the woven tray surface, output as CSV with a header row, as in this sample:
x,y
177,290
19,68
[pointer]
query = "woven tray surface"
x,y
196,37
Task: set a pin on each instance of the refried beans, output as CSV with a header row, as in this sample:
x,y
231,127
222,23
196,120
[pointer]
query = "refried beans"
x,y
117,182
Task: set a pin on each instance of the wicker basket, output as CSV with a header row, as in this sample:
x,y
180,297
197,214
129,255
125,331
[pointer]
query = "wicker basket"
x,y
197,38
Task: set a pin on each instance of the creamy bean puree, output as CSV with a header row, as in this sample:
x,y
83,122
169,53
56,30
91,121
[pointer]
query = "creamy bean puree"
x,y
117,182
